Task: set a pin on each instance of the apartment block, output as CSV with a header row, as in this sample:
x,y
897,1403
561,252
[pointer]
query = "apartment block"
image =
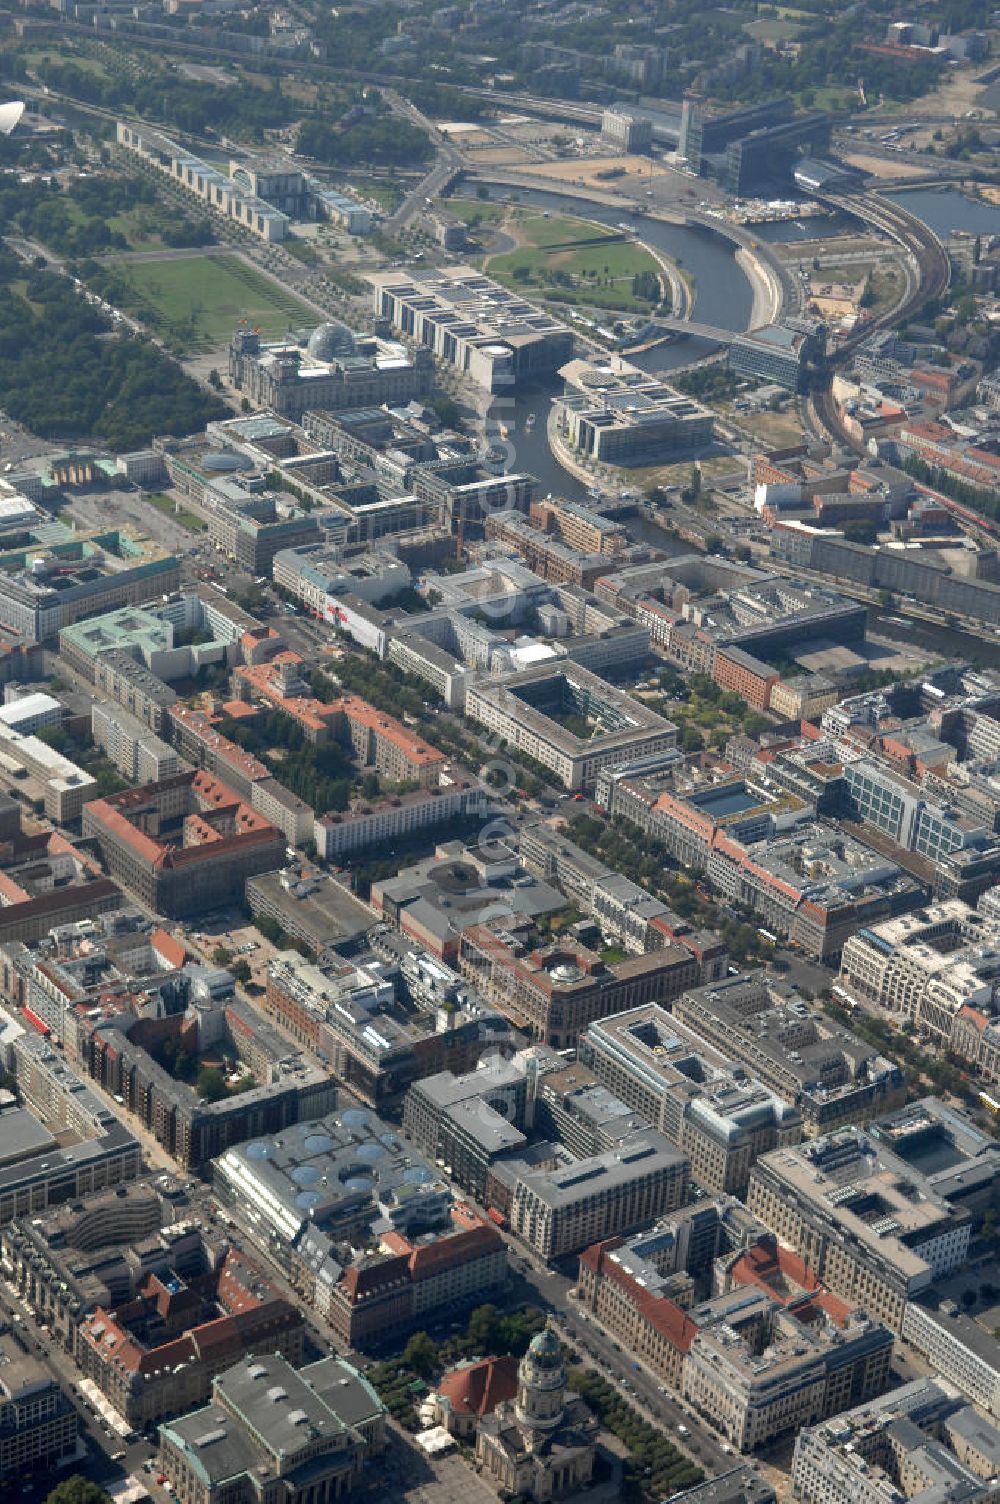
x,y
138,753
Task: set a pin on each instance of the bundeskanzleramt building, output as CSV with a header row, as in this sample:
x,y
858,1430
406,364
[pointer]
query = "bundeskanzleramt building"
x,y
867,1222
529,710
183,845
469,321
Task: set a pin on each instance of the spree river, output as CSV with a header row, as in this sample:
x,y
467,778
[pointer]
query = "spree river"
x,y
945,210
722,297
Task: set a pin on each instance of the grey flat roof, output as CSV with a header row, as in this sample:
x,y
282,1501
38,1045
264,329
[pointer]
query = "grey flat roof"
x,y
22,1135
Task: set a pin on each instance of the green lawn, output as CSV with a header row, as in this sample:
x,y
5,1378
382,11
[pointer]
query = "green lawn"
x,y
387,195
197,301
772,31
165,504
472,208
575,261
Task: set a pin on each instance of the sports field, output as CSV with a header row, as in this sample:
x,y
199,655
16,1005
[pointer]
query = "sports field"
x,y
196,302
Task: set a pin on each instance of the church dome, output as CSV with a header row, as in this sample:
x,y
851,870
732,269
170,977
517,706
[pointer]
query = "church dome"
x,y
544,1350
330,341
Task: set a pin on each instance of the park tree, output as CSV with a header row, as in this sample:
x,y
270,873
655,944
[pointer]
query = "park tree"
x,y
421,1355
77,1490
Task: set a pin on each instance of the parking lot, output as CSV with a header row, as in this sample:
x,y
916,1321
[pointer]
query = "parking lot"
x,y
243,941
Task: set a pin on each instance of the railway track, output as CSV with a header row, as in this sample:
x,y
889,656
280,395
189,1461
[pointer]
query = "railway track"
x,y
929,274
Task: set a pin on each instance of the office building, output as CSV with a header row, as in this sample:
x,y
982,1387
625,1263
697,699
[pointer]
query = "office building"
x,y
832,1076
560,1205
41,776
870,1224
770,1351
198,740
779,353
377,740
708,1106
625,132
204,181
30,712
371,823
742,1484
554,992
76,1148
39,1425
579,526
920,1442
704,137
469,1121
382,1025
63,583
940,832
569,1104
320,576
903,571
616,414
184,845
958,1349
959,1161
937,969
271,1429
547,555
535,710
318,1198
469,321
766,157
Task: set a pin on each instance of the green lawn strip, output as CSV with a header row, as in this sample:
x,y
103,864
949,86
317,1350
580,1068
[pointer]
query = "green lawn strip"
x,y
199,300
165,504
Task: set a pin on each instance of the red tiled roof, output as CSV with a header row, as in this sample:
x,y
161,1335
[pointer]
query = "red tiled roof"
x,y
478,1388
